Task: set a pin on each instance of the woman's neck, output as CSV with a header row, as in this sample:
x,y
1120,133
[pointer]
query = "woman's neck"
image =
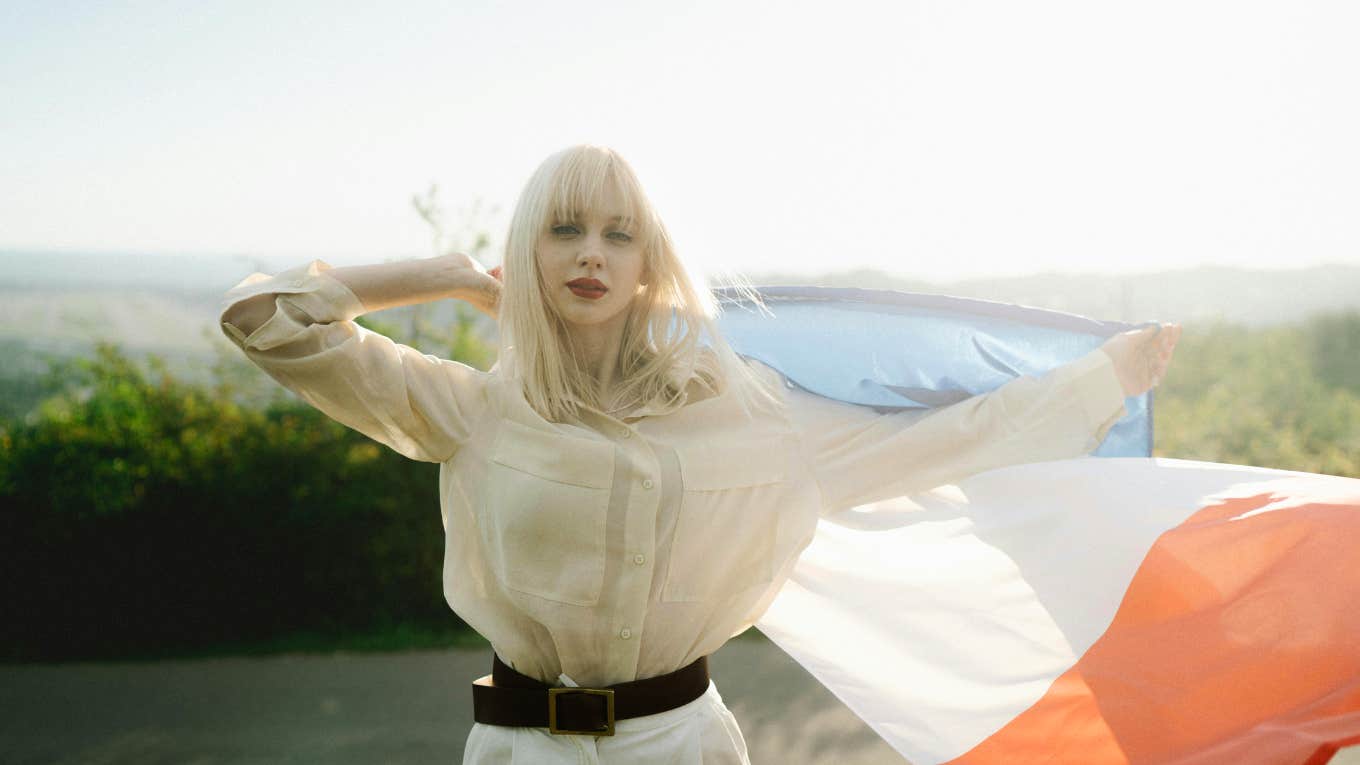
x,y
599,347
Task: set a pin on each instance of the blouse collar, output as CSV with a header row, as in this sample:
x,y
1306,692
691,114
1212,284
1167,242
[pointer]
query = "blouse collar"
x,y
693,388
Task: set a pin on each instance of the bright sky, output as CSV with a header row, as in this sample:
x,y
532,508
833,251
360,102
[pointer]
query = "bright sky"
x,y
937,140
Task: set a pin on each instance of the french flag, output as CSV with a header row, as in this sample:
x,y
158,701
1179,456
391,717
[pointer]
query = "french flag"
x,y
1112,608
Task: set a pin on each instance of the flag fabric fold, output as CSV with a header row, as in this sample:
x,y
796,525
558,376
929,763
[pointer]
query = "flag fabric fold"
x,y
902,350
1131,609
1113,608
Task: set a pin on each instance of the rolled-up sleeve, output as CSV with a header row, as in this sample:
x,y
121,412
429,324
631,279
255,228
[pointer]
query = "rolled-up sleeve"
x,y
419,405
860,456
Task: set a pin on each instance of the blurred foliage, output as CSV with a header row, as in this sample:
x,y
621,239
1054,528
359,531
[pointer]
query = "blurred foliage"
x,y
1334,345
1285,397
463,231
24,381
141,513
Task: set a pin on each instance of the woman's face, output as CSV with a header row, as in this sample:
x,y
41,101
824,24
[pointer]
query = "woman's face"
x,y
578,257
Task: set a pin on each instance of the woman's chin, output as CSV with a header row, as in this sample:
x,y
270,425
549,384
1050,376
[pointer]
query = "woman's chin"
x,y
590,317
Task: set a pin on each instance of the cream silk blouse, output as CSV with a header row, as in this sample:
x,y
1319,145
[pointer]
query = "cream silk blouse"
x,y
612,550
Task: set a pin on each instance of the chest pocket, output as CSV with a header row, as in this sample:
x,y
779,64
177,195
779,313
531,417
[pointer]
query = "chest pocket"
x,y
542,519
729,519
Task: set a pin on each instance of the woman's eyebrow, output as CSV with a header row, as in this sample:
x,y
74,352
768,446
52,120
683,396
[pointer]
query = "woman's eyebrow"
x,y
615,219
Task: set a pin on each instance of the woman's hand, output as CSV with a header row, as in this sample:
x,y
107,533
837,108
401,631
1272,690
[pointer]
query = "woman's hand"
x,y
1141,356
476,285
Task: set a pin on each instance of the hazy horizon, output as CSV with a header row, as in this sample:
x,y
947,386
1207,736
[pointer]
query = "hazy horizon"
x,y
284,260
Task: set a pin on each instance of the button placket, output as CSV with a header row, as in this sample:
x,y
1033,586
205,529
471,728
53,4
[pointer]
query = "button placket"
x,y
632,585
635,580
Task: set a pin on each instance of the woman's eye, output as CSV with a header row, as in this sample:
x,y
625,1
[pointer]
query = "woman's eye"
x,y
565,229
621,236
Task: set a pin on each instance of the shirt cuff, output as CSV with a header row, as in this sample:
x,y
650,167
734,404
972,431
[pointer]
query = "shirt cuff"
x,y
1097,391
307,288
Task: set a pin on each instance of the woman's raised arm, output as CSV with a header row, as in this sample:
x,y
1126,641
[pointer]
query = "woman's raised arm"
x,y
298,327
390,285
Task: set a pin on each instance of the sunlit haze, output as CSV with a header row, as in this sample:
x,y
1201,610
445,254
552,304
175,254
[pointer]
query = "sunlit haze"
x,y
936,140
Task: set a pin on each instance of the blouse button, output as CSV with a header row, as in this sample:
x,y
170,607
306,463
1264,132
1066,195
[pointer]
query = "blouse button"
x,y
639,559
647,483
626,433
625,633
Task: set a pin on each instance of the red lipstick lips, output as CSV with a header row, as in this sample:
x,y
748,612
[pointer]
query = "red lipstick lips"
x,y
591,289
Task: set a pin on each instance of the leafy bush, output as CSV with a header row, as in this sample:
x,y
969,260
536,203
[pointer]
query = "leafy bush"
x,y
143,514
1284,397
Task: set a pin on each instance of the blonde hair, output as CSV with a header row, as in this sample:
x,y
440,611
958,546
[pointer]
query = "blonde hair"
x,y
668,316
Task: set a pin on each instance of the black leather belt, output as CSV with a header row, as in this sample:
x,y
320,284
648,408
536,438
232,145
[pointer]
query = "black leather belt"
x,y
506,697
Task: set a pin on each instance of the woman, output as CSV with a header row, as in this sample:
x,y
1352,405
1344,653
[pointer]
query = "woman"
x,y
622,493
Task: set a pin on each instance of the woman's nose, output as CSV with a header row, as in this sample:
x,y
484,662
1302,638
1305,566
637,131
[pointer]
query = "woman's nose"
x,y
589,256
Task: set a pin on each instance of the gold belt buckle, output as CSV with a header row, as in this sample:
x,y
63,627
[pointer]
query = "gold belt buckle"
x,y
607,730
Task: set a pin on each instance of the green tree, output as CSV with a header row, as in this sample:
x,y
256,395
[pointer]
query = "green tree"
x,y
1259,397
143,513
1335,349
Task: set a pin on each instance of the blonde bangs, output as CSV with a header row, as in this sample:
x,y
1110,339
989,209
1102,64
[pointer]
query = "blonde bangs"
x,y
579,187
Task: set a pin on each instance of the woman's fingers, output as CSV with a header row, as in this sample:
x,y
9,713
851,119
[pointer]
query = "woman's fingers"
x,y
1149,355
1142,355
1163,345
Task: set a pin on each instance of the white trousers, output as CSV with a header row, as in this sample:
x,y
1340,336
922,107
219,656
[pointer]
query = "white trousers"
x,y
702,732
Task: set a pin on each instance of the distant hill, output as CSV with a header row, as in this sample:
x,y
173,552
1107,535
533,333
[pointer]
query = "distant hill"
x,y
1251,297
62,302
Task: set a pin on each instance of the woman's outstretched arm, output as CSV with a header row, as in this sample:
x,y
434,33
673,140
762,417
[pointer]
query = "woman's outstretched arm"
x,y
860,456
